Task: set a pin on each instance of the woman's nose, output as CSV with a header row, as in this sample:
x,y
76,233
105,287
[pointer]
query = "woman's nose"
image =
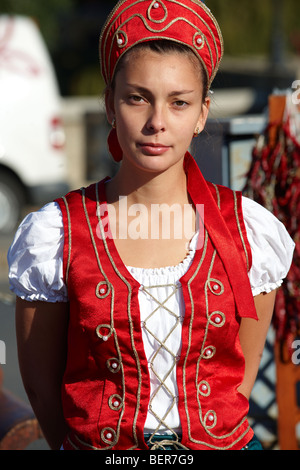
x,y
156,122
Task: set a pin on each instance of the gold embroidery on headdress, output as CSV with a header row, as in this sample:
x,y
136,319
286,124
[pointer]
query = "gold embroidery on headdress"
x,y
156,4
194,45
122,38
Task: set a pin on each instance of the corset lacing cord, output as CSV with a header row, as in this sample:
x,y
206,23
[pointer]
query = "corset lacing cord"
x,y
160,445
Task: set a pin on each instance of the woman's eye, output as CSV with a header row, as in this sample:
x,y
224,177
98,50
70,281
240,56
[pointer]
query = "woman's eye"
x,y
180,104
136,99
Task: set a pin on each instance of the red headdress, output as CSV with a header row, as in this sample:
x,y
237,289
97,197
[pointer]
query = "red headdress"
x,y
131,22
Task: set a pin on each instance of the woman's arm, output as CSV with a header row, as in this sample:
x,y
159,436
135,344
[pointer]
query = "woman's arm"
x,y
41,329
253,337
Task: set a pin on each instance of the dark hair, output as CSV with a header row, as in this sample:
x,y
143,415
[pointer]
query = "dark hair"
x,y
163,46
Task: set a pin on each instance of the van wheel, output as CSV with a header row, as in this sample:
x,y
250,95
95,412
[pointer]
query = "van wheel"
x,y
11,203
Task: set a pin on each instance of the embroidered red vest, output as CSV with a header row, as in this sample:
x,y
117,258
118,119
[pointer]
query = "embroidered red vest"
x,y
106,389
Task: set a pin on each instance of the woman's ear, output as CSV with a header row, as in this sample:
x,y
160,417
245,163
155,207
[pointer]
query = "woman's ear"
x,y
204,114
109,104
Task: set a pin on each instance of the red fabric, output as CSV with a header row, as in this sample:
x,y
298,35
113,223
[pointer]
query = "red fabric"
x,y
114,146
90,381
185,21
221,236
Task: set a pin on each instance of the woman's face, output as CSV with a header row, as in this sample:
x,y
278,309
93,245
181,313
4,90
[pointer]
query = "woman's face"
x,y
157,104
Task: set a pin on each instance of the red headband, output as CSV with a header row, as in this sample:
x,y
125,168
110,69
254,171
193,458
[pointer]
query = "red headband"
x,y
187,22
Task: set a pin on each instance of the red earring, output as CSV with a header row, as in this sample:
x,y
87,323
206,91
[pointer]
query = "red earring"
x,y
113,143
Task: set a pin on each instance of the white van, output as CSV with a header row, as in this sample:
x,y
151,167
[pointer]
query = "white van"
x,y
33,167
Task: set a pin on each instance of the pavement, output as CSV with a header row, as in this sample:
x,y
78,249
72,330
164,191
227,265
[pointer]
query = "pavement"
x,y
11,374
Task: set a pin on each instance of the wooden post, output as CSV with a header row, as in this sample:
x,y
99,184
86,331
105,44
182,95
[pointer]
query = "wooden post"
x,y
277,105
288,375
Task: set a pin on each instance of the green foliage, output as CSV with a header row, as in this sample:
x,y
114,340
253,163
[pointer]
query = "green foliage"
x,y
248,25
45,13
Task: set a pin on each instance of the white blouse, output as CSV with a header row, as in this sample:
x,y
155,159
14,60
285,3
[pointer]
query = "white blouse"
x,y
36,273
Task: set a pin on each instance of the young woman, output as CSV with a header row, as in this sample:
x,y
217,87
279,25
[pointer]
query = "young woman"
x,y
143,301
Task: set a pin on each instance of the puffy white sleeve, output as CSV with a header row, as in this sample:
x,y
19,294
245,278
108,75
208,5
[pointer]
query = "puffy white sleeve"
x,y
35,258
271,246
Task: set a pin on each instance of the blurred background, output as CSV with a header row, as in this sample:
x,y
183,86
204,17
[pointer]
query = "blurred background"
x,y
53,128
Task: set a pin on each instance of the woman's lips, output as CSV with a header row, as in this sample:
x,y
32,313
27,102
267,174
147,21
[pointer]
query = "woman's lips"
x,y
154,149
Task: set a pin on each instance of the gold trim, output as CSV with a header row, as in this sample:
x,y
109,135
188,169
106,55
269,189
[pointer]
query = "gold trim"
x,y
103,239
203,393
208,352
206,418
240,230
219,283
109,363
113,398
196,45
176,20
111,326
69,238
117,34
104,337
98,289
112,441
202,355
215,66
214,323
151,7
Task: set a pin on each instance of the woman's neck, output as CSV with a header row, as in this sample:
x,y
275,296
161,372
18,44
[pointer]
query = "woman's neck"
x,y
148,188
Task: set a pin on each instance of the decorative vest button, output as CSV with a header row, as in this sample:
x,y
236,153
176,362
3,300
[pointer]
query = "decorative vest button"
x,y
103,289
204,389
115,402
104,332
108,435
113,364
217,319
209,352
216,287
210,419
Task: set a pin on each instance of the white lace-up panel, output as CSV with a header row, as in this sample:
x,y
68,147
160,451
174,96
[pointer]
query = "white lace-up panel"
x,y
162,314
